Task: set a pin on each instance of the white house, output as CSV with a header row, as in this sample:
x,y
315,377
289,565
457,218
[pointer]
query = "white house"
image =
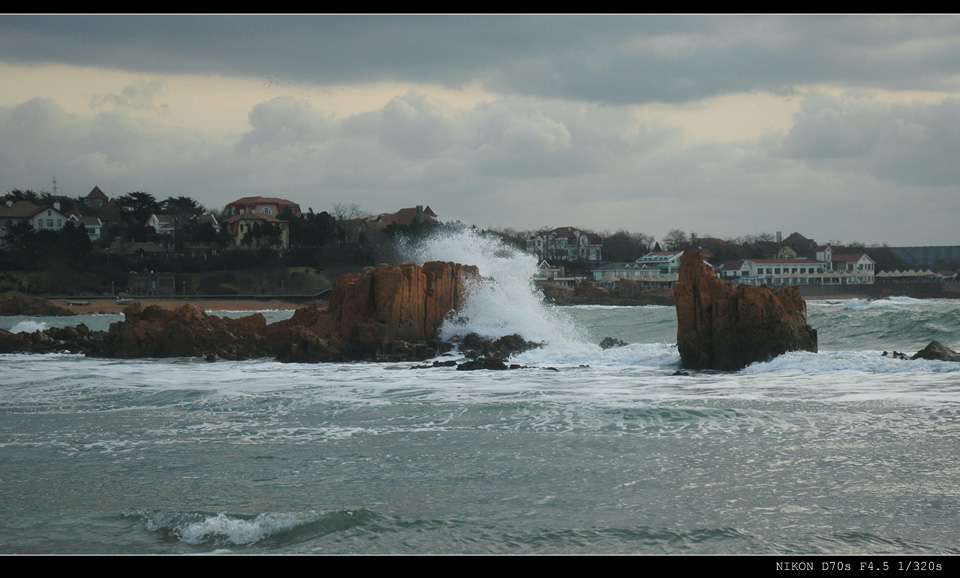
x,y
92,225
827,269
655,269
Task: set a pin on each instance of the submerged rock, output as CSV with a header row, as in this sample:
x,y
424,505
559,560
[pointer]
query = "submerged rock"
x,y
474,346
723,327
610,342
486,363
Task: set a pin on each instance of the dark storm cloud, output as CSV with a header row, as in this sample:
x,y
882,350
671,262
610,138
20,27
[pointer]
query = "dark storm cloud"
x,y
613,59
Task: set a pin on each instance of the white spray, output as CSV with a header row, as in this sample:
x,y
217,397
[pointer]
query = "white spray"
x,y
506,300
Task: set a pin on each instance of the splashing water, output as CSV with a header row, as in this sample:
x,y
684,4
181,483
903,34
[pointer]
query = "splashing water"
x,y
505,301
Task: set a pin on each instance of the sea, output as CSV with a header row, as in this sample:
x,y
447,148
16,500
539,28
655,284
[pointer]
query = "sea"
x,y
584,450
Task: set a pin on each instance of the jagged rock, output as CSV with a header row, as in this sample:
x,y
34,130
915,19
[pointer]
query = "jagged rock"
x,y
473,346
937,352
486,363
15,303
184,332
610,342
79,339
386,313
723,327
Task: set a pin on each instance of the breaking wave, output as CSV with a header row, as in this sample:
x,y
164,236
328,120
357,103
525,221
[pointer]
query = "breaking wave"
x,y
505,301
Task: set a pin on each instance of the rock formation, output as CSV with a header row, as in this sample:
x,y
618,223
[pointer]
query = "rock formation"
x,y
184,332
388,312
14,303
79,339
723,327
937,352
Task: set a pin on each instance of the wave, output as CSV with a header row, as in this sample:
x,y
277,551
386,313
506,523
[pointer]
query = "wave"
x,y
222,529
28,327
505,301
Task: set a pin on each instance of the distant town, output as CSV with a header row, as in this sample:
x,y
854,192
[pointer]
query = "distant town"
x,y
136,244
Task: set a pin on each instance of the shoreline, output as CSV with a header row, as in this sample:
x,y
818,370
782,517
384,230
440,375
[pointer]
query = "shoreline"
x,y
109,305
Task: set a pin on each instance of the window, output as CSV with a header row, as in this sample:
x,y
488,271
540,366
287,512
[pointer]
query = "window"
x,y
266,211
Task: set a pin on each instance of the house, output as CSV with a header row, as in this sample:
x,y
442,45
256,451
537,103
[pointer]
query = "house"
x,y
800,244
654,270
92,225
407,217
96,199
162,224
269,206
780,271
40,217
256,226
211,219
826,269
548,274
566,244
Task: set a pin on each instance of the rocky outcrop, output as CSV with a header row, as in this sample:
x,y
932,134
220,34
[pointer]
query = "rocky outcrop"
x,y
723,327
937,352
14,303
79,339
473,346
386,313
185,332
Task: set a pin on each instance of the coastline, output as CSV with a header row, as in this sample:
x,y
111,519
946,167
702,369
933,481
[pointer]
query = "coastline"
x,y
109,305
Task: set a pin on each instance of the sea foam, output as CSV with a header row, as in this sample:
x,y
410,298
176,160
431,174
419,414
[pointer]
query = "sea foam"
x,y
505,301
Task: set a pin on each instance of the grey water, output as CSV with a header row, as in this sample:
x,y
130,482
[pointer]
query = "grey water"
x,y
585,451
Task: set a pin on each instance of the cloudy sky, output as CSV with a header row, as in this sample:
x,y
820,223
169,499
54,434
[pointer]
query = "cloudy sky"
x,y
839,127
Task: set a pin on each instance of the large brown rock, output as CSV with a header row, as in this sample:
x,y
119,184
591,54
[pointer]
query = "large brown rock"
x,y
723,327
386,313
185,332
379,314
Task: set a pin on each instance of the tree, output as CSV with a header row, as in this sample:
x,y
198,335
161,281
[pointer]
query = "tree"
x,y
17,195
342,212
181,207
625,246
140,206
676,240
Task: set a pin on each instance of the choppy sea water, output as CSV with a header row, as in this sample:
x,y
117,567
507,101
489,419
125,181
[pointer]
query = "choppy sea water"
x,y
585,451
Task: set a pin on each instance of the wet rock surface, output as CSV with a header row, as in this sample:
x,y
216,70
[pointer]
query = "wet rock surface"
x,y
386,313
723,327
937,352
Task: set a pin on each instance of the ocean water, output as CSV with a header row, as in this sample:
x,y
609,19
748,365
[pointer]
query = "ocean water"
x,y
584,451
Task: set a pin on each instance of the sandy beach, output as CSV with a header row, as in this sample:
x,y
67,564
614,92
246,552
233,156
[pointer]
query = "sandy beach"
x,y
111,306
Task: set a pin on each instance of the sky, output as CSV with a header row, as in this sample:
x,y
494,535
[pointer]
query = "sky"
x,y
840,127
